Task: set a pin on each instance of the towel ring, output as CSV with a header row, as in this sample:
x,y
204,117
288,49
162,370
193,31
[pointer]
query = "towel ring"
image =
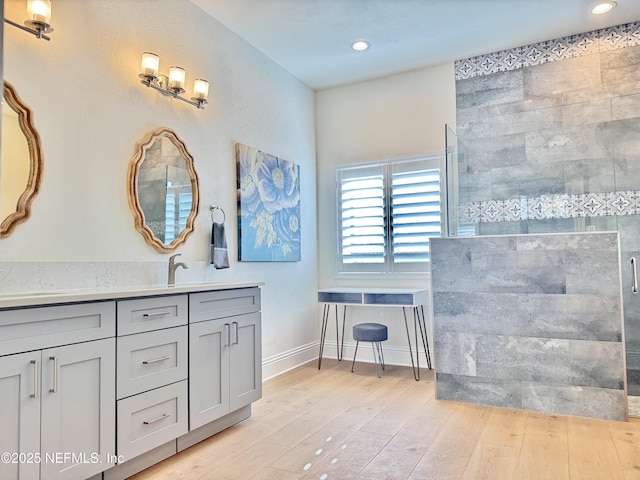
x,y
213,208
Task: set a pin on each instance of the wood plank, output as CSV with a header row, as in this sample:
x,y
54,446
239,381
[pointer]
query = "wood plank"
x,y
626,439
438,465
390,420
592,454
543,457
547,424
505,426
350,457
490,461
462,431
403,453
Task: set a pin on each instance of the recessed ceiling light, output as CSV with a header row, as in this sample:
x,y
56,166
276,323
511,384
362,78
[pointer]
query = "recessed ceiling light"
x,y
603,7
360,45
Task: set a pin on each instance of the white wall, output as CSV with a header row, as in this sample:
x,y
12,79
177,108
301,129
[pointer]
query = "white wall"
x,y
90,110
397,116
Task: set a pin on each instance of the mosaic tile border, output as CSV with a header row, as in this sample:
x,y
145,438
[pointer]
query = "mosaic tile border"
x,y
547,207
603,40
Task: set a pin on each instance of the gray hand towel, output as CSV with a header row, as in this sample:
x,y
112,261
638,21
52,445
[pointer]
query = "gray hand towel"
x,y
219,253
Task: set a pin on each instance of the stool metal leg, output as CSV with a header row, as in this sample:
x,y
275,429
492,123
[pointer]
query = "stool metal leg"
x,y
375,358
354,356
381,354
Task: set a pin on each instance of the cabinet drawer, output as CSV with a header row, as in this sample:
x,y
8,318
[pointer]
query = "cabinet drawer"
x,y
151,359
146,314
223,303
150,419
43,327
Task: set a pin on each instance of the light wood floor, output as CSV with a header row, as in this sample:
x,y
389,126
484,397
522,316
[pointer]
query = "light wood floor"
x,y
334,424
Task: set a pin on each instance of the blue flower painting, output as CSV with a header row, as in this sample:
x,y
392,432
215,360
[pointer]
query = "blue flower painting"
x,y
268,207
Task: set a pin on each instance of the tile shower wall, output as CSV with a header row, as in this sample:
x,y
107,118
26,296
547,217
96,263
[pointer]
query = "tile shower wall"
x,y
531,322
549,141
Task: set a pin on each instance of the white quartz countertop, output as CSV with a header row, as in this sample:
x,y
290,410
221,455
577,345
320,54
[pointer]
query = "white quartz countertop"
x,y
61,296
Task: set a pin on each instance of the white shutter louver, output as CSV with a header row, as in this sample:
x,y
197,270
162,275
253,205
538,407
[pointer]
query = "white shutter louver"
x,y
362,219
415,214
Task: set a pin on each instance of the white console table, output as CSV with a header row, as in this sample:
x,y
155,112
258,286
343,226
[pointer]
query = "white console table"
x,y
412,298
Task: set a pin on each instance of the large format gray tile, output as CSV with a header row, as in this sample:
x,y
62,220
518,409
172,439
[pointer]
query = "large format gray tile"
x,y
581,401
496,392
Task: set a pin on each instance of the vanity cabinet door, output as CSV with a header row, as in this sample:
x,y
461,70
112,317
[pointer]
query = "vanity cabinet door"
x,y
245,363
20,415
208,371
225,366
78,409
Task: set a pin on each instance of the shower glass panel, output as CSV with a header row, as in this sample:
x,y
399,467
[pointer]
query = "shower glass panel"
x,y
529,179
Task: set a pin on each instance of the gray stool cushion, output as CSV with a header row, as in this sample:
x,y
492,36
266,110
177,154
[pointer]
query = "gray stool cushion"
x,y
370,332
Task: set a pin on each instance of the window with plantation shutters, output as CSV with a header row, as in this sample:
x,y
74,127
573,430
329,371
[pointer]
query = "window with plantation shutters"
x,y
181,211
386,214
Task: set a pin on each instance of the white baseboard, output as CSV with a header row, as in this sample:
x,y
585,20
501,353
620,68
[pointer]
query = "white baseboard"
x,y
285,361
393,355
288,360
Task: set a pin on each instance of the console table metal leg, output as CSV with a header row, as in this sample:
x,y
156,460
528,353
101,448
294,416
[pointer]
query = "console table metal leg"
x,y
323,332
416,373
340,341
425,337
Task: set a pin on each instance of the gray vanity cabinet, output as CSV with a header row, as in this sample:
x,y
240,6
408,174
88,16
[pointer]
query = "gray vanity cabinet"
x,y
73,386
20,413
57,412
104,385
225,353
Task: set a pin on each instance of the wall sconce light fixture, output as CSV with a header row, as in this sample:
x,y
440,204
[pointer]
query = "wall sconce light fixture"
x,y
173,84
38,20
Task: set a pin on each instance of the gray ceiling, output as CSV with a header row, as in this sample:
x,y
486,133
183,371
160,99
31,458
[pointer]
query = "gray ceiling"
x,y
312,38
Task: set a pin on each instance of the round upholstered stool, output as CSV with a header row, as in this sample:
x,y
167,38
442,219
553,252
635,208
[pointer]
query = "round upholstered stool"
x,y
374,333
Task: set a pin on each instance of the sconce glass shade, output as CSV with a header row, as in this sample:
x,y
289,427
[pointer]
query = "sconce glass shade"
x,y
150,65
39,15
200,89
177,77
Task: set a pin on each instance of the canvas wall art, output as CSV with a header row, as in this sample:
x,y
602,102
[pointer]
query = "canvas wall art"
x,y
268,207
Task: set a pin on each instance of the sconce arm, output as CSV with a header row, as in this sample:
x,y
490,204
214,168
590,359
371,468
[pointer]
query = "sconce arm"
x,y
149,82
35,32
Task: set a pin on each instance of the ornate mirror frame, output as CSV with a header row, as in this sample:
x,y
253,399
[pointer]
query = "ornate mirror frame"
x,y
134,203
25,119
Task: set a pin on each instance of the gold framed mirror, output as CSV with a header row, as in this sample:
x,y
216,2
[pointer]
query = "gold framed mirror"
x,y
21,162
163,190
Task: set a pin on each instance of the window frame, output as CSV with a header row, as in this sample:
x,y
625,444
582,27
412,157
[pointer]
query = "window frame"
x,y
388,266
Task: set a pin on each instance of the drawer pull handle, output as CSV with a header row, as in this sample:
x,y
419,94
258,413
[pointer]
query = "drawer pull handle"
x,y
236,328
155,314
55,375
161,417
155,360
36,378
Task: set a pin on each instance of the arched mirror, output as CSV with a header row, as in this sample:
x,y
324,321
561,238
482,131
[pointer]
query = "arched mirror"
x,y
163,190
21,162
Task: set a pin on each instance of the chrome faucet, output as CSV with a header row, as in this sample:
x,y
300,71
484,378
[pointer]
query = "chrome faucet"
x,y
172,269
